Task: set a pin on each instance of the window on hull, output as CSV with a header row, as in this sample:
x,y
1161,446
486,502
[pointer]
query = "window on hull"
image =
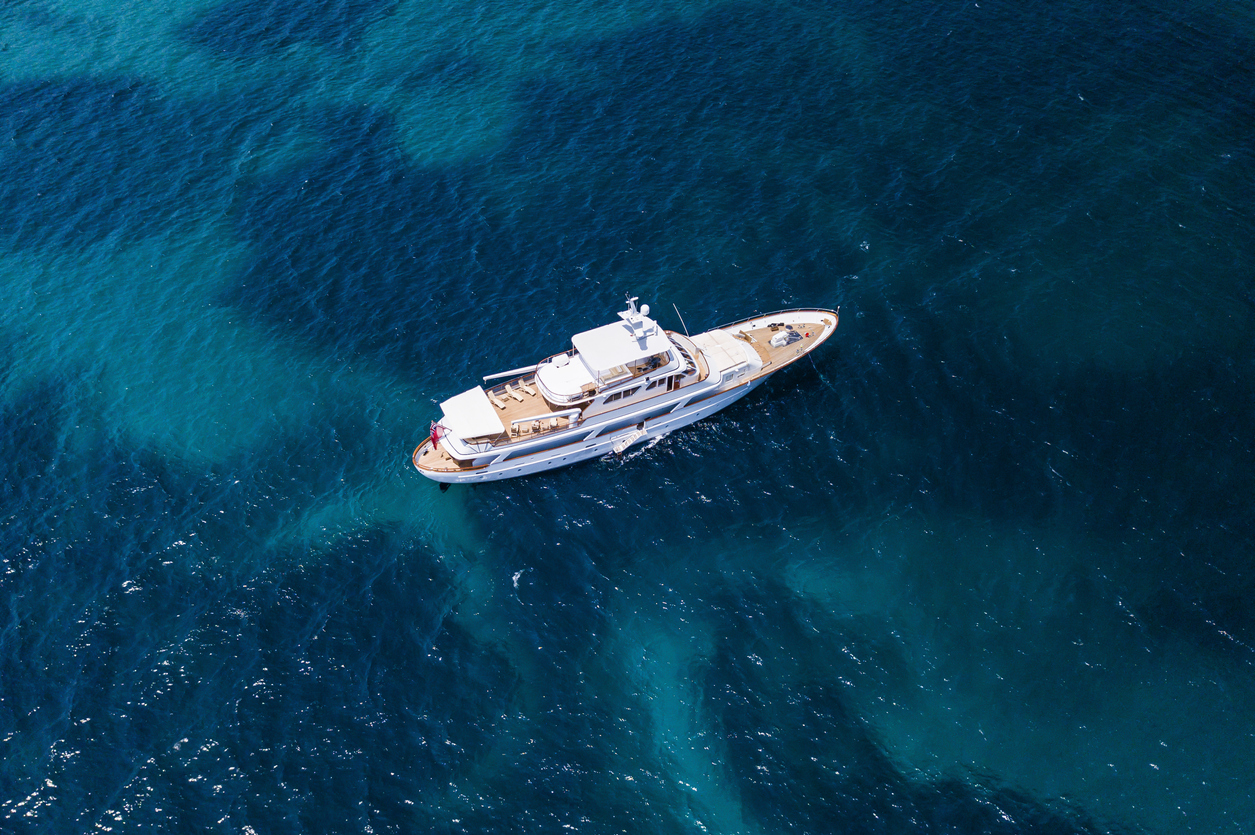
x,y
619,395
670,383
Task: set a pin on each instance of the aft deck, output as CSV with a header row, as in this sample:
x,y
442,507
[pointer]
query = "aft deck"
x,y
435,459
525,412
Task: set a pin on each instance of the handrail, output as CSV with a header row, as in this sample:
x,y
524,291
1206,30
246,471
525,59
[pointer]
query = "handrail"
x,y
566,413
836,313
498,375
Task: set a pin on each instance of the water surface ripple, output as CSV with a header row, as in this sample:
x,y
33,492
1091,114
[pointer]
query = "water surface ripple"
x,y
983,566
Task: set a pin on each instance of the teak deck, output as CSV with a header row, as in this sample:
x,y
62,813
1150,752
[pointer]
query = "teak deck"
x,y
776,358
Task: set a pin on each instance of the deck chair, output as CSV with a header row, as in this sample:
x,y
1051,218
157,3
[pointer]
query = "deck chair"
x,y
510,390
531,391
495,401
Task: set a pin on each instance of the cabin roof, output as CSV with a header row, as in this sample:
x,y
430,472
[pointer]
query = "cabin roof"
x,y
620,343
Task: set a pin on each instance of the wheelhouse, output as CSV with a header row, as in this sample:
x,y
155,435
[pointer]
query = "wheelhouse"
x,y
612,362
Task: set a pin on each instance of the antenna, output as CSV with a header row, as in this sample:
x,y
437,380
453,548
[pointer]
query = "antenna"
x,y
677,313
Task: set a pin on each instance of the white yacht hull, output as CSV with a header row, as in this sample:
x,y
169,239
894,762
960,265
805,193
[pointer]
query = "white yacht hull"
x,y
582,450
657,382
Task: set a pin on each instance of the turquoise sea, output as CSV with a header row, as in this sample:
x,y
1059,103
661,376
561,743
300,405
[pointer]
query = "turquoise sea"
x,y
986,565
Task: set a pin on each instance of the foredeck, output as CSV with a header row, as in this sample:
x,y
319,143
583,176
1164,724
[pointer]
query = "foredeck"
x,y
759,332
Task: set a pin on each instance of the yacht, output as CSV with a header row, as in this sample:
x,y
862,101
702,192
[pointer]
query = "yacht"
x,y
618,385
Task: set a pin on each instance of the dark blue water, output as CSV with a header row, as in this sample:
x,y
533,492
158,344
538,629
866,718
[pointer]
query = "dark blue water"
x,y
984,566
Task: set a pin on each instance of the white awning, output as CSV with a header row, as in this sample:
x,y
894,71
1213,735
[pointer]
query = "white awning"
x,y
471,415
611,345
